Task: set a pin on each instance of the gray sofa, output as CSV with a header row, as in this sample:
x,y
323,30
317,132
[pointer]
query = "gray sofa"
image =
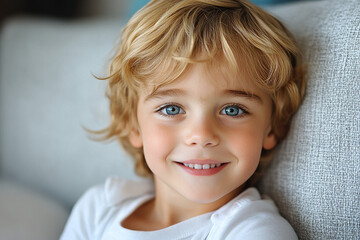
x,y
48,95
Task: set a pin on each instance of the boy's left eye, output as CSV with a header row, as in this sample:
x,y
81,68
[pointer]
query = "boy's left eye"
x,y
233,111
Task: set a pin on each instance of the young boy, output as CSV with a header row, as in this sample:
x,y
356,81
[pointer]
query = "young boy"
x,y
200,91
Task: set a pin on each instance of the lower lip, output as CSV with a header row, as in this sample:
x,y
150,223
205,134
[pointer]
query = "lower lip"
x,y
203,172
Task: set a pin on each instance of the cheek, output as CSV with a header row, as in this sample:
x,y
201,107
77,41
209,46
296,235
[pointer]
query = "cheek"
x,y
158,141
246,143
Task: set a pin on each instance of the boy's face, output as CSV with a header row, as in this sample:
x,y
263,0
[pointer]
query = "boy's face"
x,y
203,134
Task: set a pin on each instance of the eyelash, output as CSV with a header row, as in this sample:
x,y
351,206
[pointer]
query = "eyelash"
x,y
241,109
159,110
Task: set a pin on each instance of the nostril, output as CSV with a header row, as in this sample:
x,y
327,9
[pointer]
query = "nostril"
x,y
202,141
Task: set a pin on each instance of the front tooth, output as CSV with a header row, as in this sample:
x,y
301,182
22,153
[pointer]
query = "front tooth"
x,y
198,166
206,166
191,165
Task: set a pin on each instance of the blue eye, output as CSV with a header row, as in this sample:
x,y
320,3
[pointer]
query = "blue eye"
x,y
232,111
171,110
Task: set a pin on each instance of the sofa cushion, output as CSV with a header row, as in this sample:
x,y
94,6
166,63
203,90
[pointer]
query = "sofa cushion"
x,y
314,177
47,96
29,215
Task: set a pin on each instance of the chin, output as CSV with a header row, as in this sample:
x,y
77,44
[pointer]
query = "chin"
x,y
205,197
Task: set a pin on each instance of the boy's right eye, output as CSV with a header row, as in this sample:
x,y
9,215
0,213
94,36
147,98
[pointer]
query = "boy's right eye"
x,y
171,110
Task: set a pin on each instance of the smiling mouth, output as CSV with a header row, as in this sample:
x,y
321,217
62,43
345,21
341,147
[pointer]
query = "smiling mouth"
x,y
202,166
202,169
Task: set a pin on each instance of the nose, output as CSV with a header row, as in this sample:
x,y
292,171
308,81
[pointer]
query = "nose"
x,y
202,134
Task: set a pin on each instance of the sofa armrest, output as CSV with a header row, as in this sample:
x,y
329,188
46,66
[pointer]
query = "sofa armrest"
x,y
26,214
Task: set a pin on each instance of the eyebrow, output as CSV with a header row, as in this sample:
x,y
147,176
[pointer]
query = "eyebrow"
x,y
165,93
239,93
178,92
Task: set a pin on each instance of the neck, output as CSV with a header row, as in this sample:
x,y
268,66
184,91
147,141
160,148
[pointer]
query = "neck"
x,y
169,207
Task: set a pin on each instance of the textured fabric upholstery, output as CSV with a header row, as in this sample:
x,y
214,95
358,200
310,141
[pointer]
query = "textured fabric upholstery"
x,y
315,175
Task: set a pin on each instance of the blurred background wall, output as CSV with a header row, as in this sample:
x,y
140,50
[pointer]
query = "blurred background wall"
x,y
65,9
69,9
55,8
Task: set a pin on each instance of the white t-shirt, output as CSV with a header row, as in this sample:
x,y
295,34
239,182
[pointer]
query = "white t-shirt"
x,y
99,213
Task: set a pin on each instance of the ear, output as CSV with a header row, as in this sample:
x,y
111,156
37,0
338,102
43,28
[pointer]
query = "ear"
x,y
135,138
269,141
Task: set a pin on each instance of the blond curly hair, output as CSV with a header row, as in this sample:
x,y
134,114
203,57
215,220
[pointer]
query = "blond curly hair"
x,y
162,39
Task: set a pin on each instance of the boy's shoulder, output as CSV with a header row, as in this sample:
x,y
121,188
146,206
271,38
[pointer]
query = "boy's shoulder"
x,y
99,206
251,216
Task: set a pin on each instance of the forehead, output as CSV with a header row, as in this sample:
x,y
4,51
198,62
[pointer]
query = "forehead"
x,y
216,74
